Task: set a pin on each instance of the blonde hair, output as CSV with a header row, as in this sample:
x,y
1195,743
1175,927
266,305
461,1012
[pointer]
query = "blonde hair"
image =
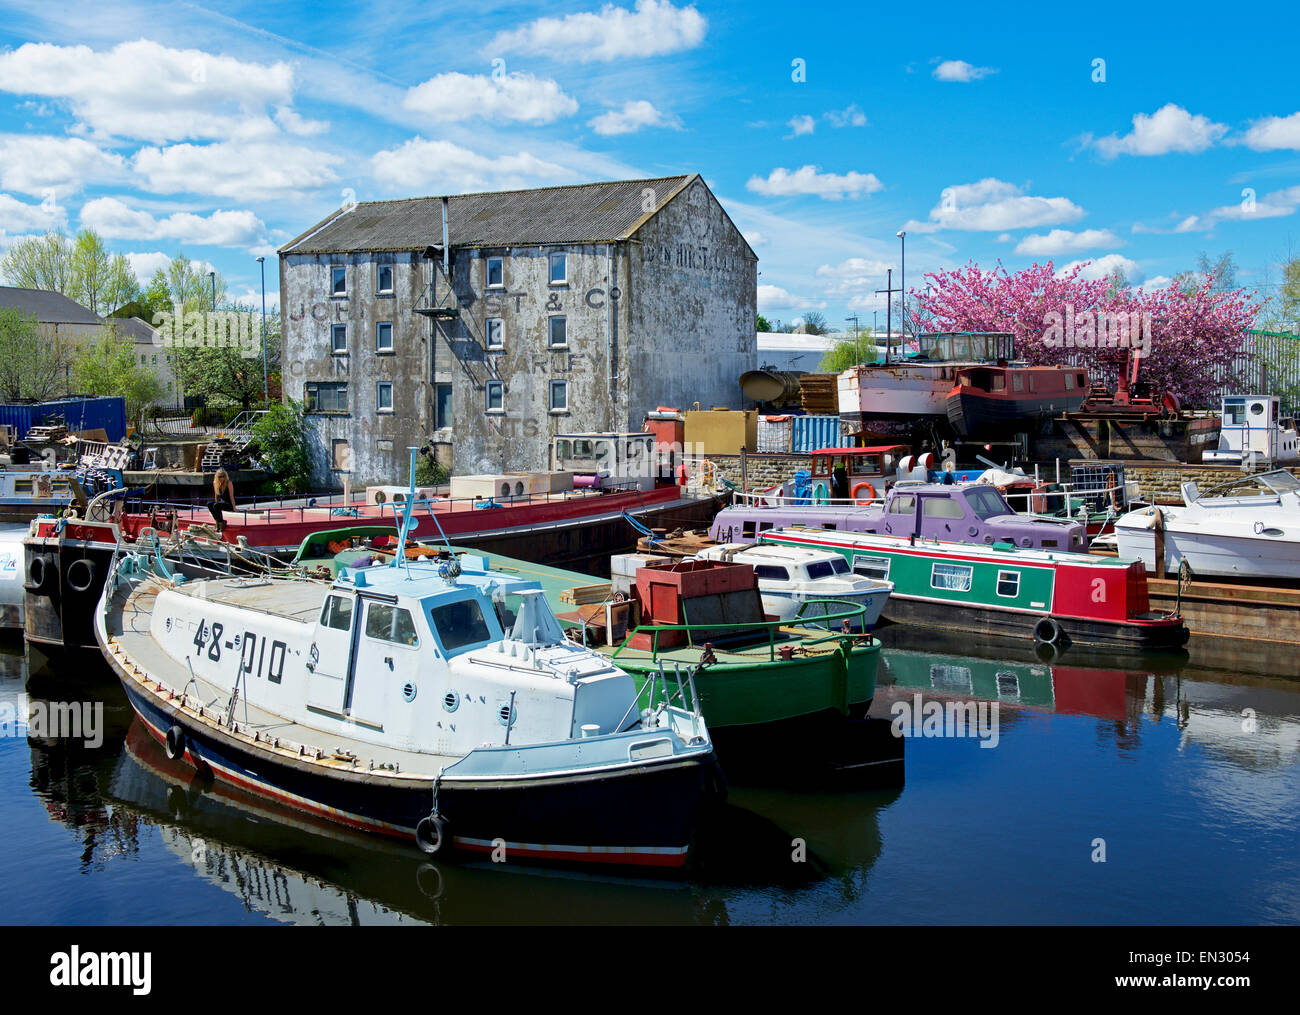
x,y
222,479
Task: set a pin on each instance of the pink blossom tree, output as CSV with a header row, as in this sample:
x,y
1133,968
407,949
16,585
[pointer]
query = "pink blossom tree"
x,y
1194,336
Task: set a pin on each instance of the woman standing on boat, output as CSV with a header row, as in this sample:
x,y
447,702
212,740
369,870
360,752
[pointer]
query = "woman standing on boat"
x,y
223,493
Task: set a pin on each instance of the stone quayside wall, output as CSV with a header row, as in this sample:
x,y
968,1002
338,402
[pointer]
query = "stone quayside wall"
x,y
1158,482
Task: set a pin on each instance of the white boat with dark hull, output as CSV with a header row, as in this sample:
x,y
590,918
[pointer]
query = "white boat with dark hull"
x,y
795,582
1245,528
412,701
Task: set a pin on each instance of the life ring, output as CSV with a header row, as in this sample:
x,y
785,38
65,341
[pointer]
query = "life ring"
x,y
380,496
81,575
431,833
870,489
1048,631
174,745
41,576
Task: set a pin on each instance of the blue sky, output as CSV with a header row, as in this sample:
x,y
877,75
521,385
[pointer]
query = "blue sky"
x,y
986,131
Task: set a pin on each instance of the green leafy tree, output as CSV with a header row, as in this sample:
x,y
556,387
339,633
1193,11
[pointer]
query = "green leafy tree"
x,y
101,282
814,322
32,366
762,324
230,373
109,366
849,352
281,437
39,262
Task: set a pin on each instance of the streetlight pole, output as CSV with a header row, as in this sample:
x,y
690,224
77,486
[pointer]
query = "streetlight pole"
x,y
902,285
213,276
266,383
857,340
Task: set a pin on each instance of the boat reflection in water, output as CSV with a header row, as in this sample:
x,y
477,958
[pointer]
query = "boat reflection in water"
x,y
1249,718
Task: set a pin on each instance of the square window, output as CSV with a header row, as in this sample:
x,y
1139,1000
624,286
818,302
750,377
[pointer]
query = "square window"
x,y
338,281
1008,584
496,274
496,333
384,278
871,567
384,336
951,577
384,396
559,269
323,396
559,396
559,333
339,338
495,396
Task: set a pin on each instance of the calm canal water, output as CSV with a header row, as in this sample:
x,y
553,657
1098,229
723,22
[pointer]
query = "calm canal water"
x,y
1189,772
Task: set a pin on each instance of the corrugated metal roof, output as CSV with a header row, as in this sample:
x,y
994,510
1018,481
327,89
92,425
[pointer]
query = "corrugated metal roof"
x,y
48,306
587,213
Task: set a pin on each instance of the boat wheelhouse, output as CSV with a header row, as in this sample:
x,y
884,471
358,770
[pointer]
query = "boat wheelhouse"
x,y
409,701
1055,597
1253,431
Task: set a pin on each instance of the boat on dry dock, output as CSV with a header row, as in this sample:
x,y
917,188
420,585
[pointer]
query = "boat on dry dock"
x,y
412,703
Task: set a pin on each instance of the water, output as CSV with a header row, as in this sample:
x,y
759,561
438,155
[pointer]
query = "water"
x,y
1198,813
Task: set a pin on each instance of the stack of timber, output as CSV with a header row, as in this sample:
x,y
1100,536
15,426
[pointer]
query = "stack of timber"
x,y
586,595
818,394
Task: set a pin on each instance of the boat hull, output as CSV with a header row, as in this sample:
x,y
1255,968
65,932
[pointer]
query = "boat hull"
x,y
974,413
768,691
640,815
785,605
1213,554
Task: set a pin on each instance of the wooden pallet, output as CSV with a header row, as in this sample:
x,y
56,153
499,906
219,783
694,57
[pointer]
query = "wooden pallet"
x,y
586,595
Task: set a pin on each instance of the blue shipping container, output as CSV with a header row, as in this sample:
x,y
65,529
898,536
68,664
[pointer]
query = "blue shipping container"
x,y
813,432
105,413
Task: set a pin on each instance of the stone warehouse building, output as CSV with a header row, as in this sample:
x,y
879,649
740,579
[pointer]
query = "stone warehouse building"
x,y
559,310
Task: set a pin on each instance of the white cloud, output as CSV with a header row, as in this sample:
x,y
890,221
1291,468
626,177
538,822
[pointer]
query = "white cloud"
x,y
960,70
36,163
773,297
856,276
145,90
1158,282
1277,204
1104,267
632,117
851,116
1063,241
114,220
145,264
1274,132
801,125
296,124
808,180
518,97
654,28
1170,128
420,166
993,205
19,217
248,171
755,238
251,296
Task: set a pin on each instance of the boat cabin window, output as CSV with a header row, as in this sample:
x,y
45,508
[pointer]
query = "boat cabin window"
x,y
337,613
840,566
1234,412
952,577
1069,382
820,569
999,382
987,503
903,504
1008,584
771,572
1017,382
941,507
764,526
390,623
747,529
871,567
563,450
459,625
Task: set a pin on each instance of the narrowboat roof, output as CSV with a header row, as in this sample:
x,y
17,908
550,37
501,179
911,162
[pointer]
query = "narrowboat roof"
x,y
875,449
1003,551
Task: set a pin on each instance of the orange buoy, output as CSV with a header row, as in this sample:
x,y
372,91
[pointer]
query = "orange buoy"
x,y
870,490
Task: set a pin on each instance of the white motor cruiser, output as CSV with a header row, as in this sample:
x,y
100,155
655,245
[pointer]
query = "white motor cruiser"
x,y
792,579
1245,528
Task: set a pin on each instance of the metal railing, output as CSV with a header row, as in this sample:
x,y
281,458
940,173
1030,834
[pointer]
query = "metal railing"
x,y
770,627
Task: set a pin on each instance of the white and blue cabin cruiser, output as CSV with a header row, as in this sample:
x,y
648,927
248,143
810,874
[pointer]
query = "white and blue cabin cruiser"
x,y
419,700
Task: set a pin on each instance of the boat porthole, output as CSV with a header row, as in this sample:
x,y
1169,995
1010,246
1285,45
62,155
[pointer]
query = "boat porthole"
x,y
450,701
507,716
408,691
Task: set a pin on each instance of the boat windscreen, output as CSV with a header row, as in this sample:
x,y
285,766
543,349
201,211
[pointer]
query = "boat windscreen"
x,y
459,624
839,565
1280,482
987,503
820,569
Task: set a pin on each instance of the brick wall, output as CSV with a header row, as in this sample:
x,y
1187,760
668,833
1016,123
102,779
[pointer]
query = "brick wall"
x,y
764,470
1162,484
